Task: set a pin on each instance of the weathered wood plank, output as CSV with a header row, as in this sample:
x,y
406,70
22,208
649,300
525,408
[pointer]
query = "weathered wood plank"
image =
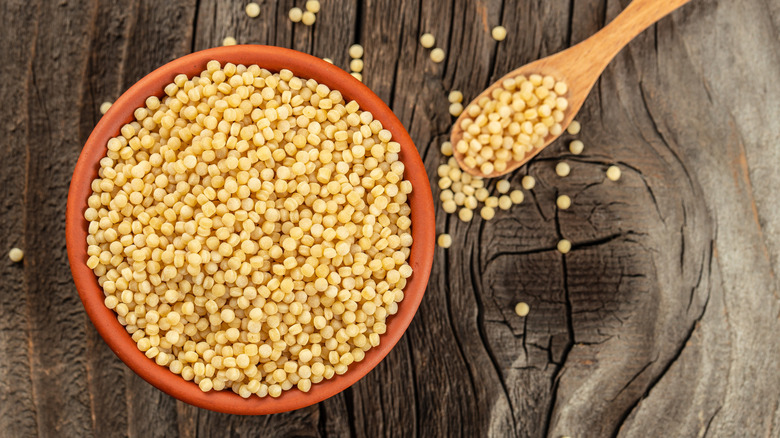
x,y
17,397
59,59
731,147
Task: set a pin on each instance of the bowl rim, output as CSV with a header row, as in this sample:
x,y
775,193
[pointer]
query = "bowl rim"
x,y
104,319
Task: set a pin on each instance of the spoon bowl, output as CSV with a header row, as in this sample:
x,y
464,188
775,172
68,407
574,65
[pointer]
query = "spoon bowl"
x,y
579,67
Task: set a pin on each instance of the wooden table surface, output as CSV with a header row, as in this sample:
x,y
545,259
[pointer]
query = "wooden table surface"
x,y
663,320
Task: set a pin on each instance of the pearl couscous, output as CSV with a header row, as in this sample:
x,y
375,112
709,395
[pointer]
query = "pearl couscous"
x,y
562,169
427,40
574,127
252,10
437,55
251,230
498,33
308,18
104,107
528,182
313,6
356,65
16,255
513,121
576,147
563,202
355,51
613,173
296,15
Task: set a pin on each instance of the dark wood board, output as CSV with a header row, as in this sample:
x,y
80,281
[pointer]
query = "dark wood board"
x,y
663,320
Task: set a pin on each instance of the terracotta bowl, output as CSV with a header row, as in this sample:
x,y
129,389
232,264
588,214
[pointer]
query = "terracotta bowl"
x,y
104,319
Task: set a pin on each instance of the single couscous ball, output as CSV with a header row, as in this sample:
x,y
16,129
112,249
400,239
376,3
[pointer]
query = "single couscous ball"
x,y
313,6
562,169
356,51
563,202
613,173
498,33
16,255
528,182
296,15
427,40
437,55
252,10
564,246
308,18
251,230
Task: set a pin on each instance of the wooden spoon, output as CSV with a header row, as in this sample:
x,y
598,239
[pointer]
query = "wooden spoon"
x,y
579,67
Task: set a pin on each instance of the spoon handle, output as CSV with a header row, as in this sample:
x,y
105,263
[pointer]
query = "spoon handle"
x,y
636,17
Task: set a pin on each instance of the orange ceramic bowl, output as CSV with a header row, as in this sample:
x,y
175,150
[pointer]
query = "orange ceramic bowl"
x,y
104,319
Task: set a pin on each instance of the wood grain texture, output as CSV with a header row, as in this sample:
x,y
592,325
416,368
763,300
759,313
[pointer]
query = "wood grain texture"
x,y
661,321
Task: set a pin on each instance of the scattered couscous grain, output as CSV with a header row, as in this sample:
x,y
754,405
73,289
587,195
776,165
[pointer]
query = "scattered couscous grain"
x,y
503,186
356,51
564,246
516,196
465,214
504,202
574,127
487,213
576,147
313,6
296,15
613,173
491,201
498,33
562,169
358,76
444,240
328,60
437,55
446,149
308,18
16,255
356,65
252,10
229,41
449,206
563,202
455,96
104,107
251,230
427,40
456,109
528,182
522,309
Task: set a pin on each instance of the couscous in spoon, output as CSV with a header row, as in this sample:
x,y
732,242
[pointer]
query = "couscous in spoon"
x,y
578,67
